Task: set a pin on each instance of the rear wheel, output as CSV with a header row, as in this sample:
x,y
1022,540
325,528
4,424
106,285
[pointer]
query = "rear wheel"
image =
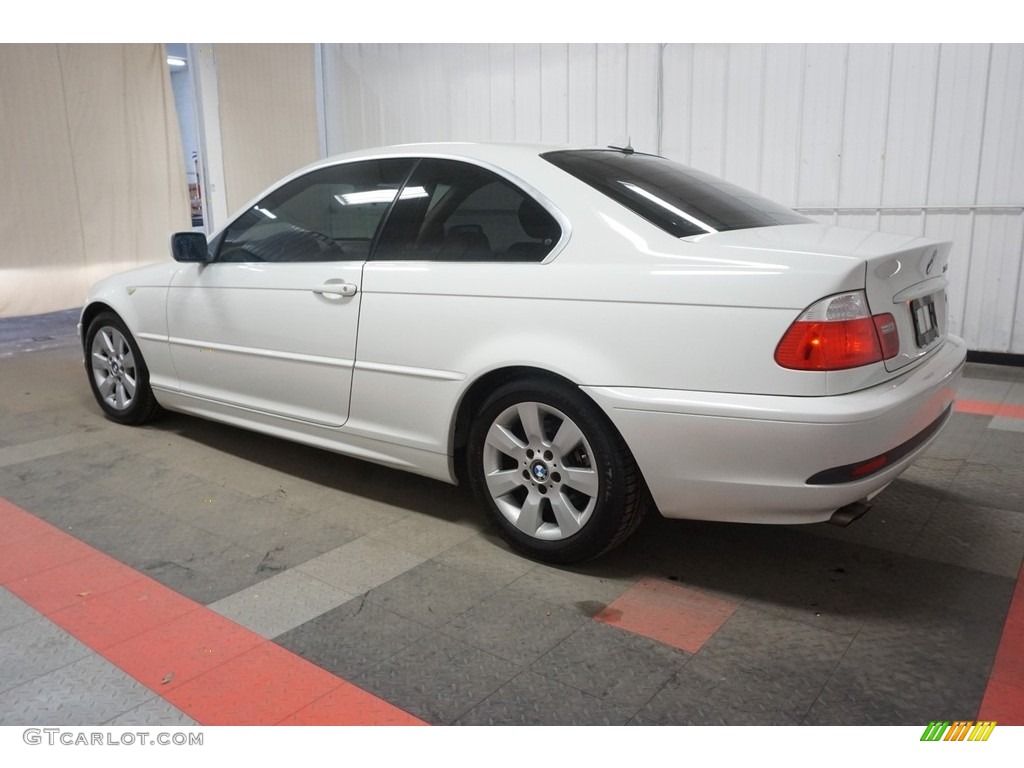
x,y
553,473
117,373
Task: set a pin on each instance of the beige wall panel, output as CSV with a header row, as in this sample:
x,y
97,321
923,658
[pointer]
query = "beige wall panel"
x,y
268,115
91,157
40,229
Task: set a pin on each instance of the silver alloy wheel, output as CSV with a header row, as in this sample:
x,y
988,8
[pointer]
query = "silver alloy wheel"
x,y
539,470
113,368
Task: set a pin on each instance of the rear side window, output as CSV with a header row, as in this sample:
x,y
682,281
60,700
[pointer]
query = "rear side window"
x,y
455,211
680,200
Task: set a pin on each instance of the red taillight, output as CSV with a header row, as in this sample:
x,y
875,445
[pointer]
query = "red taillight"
x,y
838,333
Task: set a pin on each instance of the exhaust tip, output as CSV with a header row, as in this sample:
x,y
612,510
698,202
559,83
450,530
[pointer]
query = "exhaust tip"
x,y
846,515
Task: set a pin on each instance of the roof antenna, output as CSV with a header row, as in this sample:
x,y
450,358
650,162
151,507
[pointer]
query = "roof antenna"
x,y
627,149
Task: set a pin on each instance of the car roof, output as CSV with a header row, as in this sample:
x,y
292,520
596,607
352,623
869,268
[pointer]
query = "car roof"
x,y
486,151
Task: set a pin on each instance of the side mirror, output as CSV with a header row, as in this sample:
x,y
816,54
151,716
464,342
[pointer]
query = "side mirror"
x,y
190,246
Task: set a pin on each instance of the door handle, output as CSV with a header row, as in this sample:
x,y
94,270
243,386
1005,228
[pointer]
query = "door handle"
x,y
336,289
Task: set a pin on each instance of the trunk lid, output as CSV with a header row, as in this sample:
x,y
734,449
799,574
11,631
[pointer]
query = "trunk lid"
x,y
904,275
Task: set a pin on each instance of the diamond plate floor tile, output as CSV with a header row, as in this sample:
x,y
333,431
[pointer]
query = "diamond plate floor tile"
x,y
757,638
423,535
360,565
975,537
907,693
146,476
27,428
90,691
998,449
210,576
987,485
331,506
895,520
836,603
224,511
514,627
183,557
590,583
938,635
45,485
910,669
142,538
35,648
280,603
991,385
932,474
611,665
303,537
432,594
532,699
959,437
1016,394
710,695
488,556
231,467
930,586
757,670
51,446
156,712
1007,424
975,370
13,611
352,638
88,507
438,678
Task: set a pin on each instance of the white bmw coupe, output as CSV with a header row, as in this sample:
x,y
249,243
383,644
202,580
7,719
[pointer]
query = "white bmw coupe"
x,y
580,334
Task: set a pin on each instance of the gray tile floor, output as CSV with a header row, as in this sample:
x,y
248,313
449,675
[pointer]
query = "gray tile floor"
x,y
395,583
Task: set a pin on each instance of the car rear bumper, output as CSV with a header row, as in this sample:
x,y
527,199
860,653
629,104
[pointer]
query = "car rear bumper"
x,y
748,458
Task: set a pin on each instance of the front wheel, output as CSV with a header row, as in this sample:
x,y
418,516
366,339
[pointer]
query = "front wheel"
x,y
117,373
552,472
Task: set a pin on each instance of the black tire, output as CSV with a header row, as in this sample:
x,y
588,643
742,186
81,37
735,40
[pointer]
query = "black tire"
x,y
117,372
557,496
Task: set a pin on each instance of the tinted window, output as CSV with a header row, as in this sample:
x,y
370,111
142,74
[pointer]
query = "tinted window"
x,y
453,211
330,214
680,200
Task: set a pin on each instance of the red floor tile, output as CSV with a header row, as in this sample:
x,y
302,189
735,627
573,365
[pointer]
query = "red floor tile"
x,y
1009,664
18,524
669,613
172,654
263,686
350,705
72,583
120,614
43,549
1002,703
985,408
1004,696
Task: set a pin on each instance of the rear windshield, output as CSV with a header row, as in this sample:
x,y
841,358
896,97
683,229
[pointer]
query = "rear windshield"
x,y
680,200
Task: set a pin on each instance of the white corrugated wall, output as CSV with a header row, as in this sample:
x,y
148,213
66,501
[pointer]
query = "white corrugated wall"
x,y
924,139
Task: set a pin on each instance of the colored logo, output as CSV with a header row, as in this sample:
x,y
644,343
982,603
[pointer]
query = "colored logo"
x,y
960,730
